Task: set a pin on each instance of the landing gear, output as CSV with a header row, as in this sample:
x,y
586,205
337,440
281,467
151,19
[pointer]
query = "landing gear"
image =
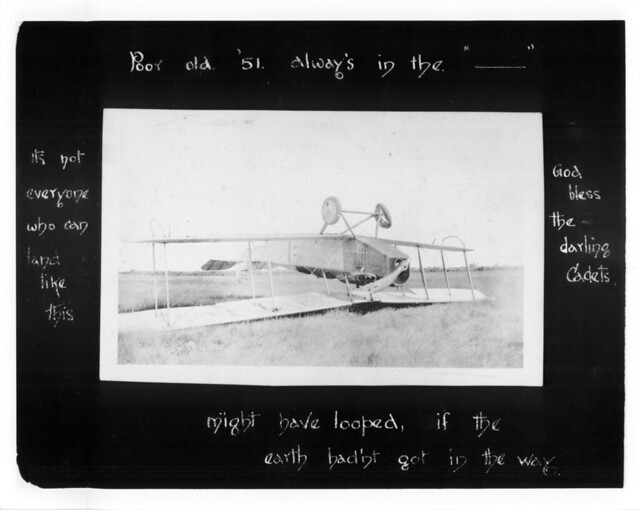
x,y
332,212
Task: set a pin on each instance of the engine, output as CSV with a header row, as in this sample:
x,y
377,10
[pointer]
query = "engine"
x,y
364,279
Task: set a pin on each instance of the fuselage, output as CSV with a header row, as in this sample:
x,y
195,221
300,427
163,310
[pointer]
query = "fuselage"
x,y
359,260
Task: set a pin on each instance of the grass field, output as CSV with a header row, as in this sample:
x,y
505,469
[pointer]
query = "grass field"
x,y
456,335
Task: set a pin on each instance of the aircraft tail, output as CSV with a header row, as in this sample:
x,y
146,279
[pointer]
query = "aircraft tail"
x,y
218,265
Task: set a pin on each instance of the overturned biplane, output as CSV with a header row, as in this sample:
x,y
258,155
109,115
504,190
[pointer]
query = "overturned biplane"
x,y
368,266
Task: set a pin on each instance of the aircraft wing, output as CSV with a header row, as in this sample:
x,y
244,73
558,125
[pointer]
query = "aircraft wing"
x,y
285,250
291,237
228,312
439,247
240,239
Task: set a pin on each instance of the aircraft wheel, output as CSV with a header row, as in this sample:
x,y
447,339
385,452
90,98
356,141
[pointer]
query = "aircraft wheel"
x,y
383,217
331,210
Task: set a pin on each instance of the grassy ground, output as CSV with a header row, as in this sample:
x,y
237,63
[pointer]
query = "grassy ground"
x,y
482,334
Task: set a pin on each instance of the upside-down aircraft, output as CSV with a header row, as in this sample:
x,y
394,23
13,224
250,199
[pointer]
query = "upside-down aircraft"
x,y
368,266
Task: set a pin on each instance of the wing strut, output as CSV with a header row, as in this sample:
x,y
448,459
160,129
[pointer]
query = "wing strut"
x,y
273,299
253,283
166,280
346,281
424,280
473,294
326,285
155,281
166,267
466,263
444,269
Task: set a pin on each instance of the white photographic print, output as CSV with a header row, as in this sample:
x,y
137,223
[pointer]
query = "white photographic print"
x,y
322,247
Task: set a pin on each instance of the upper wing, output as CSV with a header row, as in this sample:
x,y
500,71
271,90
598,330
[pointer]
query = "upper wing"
x,y
239,239
428,246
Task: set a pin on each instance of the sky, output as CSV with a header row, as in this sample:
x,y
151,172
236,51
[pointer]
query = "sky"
x,y
200,173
